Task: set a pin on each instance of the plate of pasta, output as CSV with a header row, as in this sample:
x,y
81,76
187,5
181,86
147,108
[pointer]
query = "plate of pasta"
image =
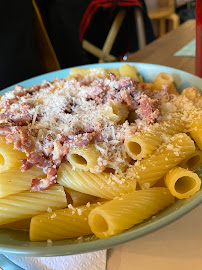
x,y
97,155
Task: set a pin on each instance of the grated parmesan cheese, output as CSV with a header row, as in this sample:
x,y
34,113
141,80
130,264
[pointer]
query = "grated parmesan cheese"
x,y
88,204
53,216
65,112
146,185
80,211
49,242
35,115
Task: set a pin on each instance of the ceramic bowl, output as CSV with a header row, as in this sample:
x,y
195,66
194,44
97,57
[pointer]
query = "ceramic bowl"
x,y
17,242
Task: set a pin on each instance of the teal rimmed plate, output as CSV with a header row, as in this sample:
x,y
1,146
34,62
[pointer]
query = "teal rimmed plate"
x,y
17,242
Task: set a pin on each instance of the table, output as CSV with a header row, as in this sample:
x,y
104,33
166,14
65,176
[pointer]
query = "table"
x,y
161,51
179,244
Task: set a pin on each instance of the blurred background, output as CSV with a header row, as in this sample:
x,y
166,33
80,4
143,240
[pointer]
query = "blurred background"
x,y
39,36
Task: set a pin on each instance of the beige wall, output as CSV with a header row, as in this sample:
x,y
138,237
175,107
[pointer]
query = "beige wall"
x,y
152,4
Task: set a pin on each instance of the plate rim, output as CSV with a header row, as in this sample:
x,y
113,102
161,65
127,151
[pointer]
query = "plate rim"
x,y
109,64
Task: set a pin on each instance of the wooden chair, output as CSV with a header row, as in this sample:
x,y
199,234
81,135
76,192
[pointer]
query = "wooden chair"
x,y
104,53
163,11
47,56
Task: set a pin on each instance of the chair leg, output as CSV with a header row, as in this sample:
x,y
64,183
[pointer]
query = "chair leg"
x,y
97,52
113,33
162,27
139,27
174,20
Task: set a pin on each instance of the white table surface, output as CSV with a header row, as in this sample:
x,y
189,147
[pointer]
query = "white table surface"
x,y
174,247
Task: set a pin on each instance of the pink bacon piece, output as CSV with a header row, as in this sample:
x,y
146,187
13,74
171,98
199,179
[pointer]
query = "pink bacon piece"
x,y
97,94
40,161
21,119
25,107
19,91
78,141
7,103
37,87
125,82
128,99
6,129
17,136
82,141
86,80
112,76
26,143
17,118
145,111
146,108
26,165
40,184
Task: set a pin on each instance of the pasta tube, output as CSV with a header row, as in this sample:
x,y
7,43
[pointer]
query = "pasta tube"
x,y
122,213
14,181
103,185
193,95
129,71
115,71
193,116
116,111
160,183
28,204
193,161
149,170
83,158
163,78
143,143
196,129
91,72
79,198
182,183
21,225
172,90
66,223
132,117
9,158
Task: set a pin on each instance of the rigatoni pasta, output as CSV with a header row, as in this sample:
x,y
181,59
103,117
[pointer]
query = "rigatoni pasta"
x,y
196,130
193,115
100,72
143,143
28,204
193,94
124,212
21,225
149,170
96,152
129,71
115,71
103,185
116,112
67,223
14,180
84,158
192,162
9,158
163,79
182,183
80,198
